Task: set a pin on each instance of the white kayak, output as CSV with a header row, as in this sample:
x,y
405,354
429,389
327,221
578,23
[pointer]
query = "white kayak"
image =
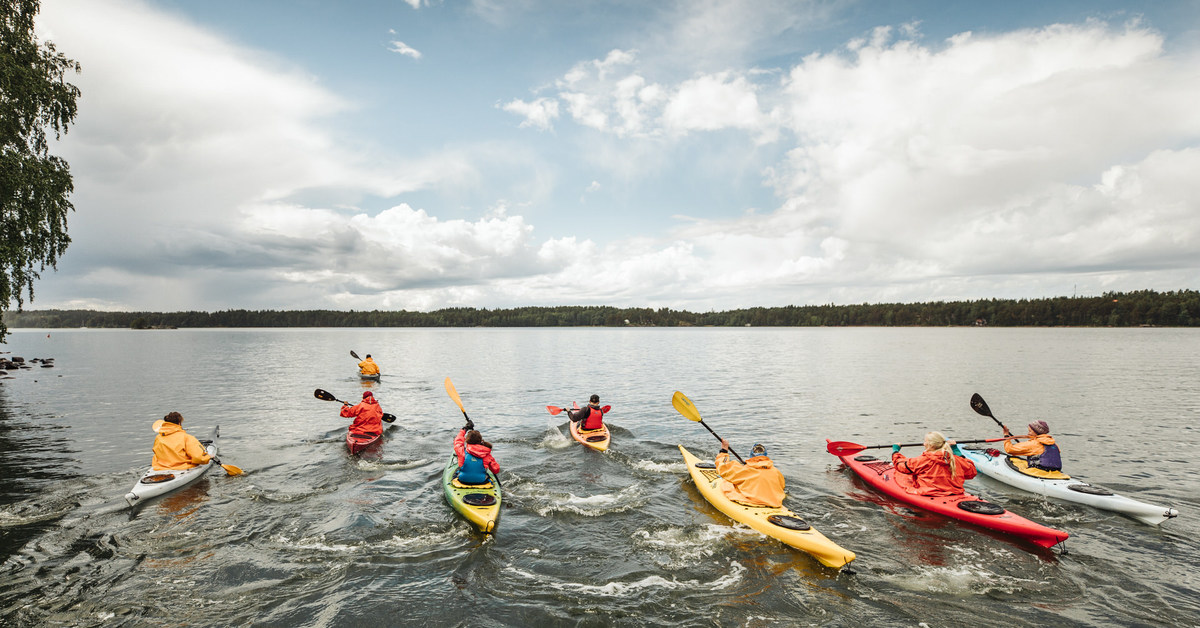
x,y
154,483
1012,470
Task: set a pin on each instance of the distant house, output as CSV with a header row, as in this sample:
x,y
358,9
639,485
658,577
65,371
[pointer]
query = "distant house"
x,y
979,322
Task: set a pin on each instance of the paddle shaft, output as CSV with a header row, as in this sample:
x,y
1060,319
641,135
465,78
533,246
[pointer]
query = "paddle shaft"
x,y
960,442
735,454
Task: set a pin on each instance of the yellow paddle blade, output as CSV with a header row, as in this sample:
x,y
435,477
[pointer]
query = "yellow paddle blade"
x,y
454,394
685,406
232,470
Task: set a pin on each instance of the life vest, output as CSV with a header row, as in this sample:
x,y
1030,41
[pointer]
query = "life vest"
x,y
594,420
1049,459
472,470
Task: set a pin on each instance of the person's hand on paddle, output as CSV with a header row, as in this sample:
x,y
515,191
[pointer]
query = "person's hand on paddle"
x,y
469,426
896,448
724,445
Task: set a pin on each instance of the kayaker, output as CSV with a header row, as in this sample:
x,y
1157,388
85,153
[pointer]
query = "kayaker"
x,y
589,417
367,415
939,470
1040,450
175,449
368,366
474,456
757,483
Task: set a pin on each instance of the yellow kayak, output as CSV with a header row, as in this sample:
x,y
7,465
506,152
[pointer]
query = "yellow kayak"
x,y
778,523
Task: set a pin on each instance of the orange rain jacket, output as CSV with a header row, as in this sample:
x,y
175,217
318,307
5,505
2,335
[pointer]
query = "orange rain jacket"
x,y
931,473
1033,447
367,417
757,482
176,450
368,367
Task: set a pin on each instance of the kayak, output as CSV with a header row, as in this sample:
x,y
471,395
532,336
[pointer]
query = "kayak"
x,y
479,503
154,483
370,377
1014,471
596,439
780,523
881,475
358,442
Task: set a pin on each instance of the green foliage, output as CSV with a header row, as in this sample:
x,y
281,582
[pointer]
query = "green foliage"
x,y
34,185
1114,309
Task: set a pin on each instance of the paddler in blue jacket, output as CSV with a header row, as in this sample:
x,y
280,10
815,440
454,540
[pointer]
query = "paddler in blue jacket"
x,y
590,417
474,456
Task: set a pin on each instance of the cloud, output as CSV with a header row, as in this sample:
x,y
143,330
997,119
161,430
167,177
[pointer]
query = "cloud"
x,y
539,114
400,47
210,175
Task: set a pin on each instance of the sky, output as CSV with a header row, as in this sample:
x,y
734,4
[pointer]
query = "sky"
x,y
699,155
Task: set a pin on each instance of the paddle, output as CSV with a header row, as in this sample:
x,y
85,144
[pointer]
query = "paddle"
x,y
354,355
229,469
981,406
327,396
556,410
845,448
688,409
450,390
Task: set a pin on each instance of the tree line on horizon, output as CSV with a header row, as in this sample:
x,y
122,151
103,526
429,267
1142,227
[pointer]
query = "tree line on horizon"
x,y
1113,309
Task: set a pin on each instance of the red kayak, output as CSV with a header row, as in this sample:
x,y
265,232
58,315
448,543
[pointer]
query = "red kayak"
x,y
358,442
881,475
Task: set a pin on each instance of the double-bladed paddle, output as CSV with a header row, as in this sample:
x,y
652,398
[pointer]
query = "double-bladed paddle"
x,y
555,410
688,409
327,396
981,406
845,448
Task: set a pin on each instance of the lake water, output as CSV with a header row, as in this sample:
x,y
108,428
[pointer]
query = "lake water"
x,y
311,536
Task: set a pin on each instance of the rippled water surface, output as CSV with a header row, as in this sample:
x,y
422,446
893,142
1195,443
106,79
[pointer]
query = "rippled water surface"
x,y
311,536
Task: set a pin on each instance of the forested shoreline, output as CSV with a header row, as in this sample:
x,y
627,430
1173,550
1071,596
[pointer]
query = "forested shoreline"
x,y
1112,309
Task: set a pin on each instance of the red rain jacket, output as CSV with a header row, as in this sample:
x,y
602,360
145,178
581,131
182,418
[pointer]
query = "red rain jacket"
x,y
482,452
367,417
931,473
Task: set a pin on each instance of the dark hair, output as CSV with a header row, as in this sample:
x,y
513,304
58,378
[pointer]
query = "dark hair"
x,y
368,355
174,417
475,438
594,399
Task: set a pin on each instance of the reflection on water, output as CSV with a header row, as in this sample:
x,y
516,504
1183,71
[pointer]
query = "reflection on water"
x,y
313,536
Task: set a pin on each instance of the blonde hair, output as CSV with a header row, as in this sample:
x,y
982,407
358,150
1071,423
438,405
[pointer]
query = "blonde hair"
x,y
936,441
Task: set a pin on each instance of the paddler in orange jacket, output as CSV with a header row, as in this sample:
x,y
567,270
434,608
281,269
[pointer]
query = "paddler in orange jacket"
x,y
1040,450
368,366
367,415
939,470
175,449
757,482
